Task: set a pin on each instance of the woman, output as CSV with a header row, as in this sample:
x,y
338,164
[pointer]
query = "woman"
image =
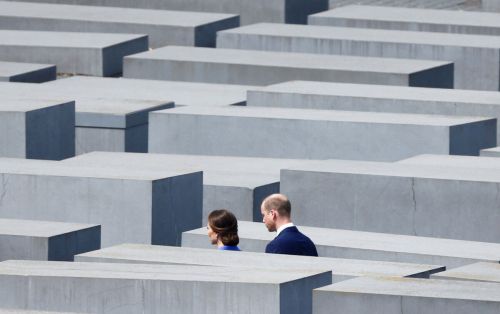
x,y
223,230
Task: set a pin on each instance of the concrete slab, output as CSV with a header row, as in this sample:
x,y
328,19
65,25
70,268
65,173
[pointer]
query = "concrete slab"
x,y
435,201
434,4
377,98
489,272
490,5
37,128
135,288
154,207
281,11
490,152
163,27
476,58
46,240
237,183
233,66
26,72
342,269
14,311
453,161
352,244
314,134
407,295
79,53
412,19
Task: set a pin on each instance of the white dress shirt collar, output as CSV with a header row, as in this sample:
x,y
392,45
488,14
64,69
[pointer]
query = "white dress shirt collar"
x,y
283,227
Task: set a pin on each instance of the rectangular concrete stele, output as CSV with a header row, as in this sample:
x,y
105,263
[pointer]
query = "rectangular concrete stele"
x,y
163,27
490,5
377,98
476,58
17,311
466,162
37,128
282,11
435,201
474,272
314,134
46,240
131,205
234,66
27,72
407,295
341,268
490,152
80,53
434,4
412,19
361,245
236,183
142,288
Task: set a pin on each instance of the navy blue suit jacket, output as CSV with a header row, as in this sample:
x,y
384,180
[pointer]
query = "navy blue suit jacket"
x,y
291,241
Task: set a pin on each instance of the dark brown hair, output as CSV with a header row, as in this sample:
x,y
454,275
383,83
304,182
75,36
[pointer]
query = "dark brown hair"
x,y
224,223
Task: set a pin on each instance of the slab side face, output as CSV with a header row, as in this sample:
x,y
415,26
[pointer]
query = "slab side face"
x,y
65,246
13,134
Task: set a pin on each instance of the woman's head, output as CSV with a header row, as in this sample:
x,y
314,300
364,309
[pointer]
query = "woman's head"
x,y
223,226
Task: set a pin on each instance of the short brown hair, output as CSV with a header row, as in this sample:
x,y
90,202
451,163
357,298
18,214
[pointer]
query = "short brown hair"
x,y
224,223
280,203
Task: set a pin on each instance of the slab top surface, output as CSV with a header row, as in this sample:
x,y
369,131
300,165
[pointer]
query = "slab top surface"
x,y
413,287
152,272
295,31
108,14
494,149
194,256
478,271
324,115
454,161
15,68
26,105
63,39
290,60
452,17
377,241
38,228
384,92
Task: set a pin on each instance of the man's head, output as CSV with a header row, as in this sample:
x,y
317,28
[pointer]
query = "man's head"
x,y
276,210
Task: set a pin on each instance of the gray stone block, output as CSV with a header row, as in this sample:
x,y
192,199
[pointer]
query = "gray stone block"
x,y
80,53
14,311
342,269
26,72
407,295
476,58
237,183
411,19
475,272
37,129
490,5
233,66
131,205
46,240
377,98
435,4
135,288
352,244
434,201
466,162
314,134
163,27
490,152
282,11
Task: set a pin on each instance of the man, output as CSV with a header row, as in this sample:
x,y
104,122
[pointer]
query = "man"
x,y
276,210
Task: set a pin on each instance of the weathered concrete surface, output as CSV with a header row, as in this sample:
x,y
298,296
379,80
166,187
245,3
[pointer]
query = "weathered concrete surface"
x,y
474,272
341,268
467,162
407,295
37,128
163,27
314,134
131,205
26,72
377,98
412,19
435,201
136,288
79,53
46,240
282,11
361,245
490,152
233,66
237,183
476,58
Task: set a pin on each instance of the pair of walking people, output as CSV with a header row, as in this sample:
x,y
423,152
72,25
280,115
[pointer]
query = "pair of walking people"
x,y
276,215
